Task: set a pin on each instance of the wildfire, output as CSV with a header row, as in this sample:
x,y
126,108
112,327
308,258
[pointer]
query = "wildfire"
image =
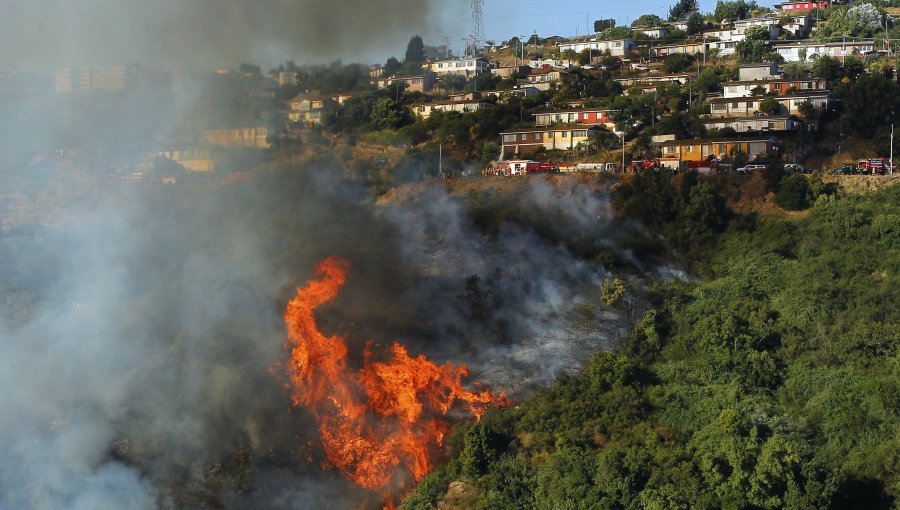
x,y
380,418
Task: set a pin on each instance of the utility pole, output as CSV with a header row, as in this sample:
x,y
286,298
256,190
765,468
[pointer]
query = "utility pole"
x,y
892,151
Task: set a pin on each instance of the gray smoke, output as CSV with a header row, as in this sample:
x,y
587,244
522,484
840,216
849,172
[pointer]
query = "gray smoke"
x,y
142,364
44,34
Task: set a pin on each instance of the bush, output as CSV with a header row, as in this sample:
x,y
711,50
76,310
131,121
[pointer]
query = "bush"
x,y
793,193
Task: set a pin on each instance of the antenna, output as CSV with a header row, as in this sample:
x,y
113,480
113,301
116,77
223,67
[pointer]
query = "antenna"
x,y
477,35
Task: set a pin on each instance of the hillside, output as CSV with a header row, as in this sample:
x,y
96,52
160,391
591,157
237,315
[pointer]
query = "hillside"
x,y
772,383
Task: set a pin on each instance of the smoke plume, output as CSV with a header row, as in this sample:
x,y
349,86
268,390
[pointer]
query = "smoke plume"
x,y
207,33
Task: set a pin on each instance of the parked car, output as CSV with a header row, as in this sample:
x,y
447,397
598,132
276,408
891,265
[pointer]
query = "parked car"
x,y
843,170
640,67
751,169
791,169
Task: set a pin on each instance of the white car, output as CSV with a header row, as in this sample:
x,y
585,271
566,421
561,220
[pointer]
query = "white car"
x,y
640,67
751,169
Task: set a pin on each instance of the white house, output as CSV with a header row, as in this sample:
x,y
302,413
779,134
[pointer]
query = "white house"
x,y
425,110
839,49
464,66
656,32
761,71
616,47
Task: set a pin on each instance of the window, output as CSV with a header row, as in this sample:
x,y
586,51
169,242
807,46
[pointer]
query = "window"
x,y
565,134
509,138
537,137
670,150
582,133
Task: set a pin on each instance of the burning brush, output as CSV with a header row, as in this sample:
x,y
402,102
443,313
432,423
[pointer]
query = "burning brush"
x,y
385,418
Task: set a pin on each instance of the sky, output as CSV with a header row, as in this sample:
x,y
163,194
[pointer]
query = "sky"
x,y
504,18
51,34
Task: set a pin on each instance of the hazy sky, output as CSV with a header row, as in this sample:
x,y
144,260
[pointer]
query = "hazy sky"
x,y
48,34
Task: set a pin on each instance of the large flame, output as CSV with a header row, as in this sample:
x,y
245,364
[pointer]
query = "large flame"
x,y
379,419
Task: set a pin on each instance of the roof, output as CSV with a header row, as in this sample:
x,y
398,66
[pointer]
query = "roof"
x,y
737,119
440,103
812,44
773,80
554,112
761,64
571,127
799,93
670,143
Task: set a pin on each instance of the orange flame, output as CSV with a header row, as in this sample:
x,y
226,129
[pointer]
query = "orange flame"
x,y
382,418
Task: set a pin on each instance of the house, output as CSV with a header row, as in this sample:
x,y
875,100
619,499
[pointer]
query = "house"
x,y
794,6
653,80
308,109
550,62
676,152
755,124
528,141
425,110
541,79
462,96
762,71
584,117
286,78
421,83
655,32
615,47
240,137
685,48
780,87
725,107
792,52
770,24
191,159
511,71
503,95
465,66
678,25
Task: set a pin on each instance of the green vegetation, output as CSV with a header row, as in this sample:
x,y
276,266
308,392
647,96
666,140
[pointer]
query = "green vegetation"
x,y
772,383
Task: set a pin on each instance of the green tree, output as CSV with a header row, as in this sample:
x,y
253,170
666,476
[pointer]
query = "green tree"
x,y
682,9
647,21
695,23
769,106
415,50
603,24
677,62
734,10
793,193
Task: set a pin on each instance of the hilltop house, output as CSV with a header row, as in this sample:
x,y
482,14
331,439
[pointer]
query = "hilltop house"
x,y
424,110
308,110
675,152
239,137
467,67
585,117
725,107
793,52
779,87
528,141
616,47
421,83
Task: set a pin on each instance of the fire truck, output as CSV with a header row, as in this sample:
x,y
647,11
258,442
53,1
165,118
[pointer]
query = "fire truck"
x,y
517,167
875,166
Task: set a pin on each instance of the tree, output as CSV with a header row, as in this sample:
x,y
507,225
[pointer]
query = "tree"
x,y
793,193
682,9
415,50
695,23
677,62
769,106
734,10
392,66
603,24
647,21
755,46
860,20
